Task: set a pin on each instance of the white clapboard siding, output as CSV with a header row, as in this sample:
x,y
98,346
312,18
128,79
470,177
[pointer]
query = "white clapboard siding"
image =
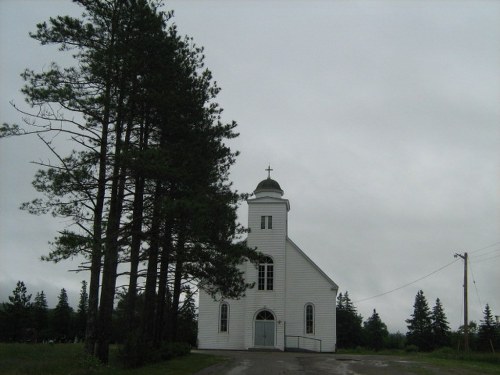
x,y
271,242
209,336
307,284
297,282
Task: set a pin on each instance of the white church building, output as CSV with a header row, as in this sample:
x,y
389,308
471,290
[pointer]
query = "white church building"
x,y
291,306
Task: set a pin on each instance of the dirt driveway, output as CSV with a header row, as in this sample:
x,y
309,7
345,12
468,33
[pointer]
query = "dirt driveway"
x,y
288,363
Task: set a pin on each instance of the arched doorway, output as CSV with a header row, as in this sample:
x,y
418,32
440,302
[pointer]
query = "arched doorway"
x,y
264,328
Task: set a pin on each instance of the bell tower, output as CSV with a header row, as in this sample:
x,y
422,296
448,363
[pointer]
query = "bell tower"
x,y
268,231
268,213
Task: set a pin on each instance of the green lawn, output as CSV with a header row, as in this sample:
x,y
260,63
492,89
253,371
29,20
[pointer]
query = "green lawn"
x,y
68,359
484,363
447,359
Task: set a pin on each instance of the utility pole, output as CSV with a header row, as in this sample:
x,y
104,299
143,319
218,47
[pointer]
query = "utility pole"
x,y
465,257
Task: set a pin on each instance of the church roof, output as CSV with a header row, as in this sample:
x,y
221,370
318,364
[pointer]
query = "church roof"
x,y
321,272
268,184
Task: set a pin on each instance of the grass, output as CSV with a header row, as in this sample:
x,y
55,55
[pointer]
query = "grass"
x,y
68,359
483,363
446,359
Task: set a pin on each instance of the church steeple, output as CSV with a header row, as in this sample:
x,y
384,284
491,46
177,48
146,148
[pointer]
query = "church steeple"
x,y
269,169
268,187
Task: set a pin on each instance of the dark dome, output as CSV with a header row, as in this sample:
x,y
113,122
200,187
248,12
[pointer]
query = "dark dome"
x,y
268,184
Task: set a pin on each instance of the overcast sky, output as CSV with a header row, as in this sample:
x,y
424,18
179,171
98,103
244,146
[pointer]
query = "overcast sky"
x,y
380,120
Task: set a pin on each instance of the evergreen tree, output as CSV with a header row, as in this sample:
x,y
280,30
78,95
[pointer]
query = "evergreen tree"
x,y
488,331
149,183
375,332
188,323
395,341
40,317
62,318
440,327
17,314
81,314
349,329
420,325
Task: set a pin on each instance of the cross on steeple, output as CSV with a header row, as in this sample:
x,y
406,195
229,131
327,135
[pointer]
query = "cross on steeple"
x,y
269,171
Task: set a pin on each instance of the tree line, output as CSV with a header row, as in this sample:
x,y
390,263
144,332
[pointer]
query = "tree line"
x,y
428,329
30,320
145,192
23,319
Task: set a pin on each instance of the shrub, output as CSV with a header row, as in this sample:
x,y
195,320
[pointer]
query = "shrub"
x,y
89,363
134,354
169,350
411,348
445,352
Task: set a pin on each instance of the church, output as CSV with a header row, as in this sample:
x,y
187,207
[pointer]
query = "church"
x,y
291,306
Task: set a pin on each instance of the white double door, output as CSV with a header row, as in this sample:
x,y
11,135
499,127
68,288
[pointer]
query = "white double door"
x,y
264,332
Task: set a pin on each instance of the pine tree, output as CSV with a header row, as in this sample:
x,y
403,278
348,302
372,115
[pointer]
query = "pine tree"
x,y
375,332
349,330
188,327
420,325
18,314
40,317
62,318
488,331
81,314
440,327
149,183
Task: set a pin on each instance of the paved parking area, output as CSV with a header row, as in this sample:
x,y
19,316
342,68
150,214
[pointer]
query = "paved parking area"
x,y
290,363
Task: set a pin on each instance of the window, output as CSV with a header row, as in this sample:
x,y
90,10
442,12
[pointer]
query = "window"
x,y
265,315
264,219
224,317
266,274
309,318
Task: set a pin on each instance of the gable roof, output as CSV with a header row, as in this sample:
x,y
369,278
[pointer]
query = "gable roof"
x,y
315,266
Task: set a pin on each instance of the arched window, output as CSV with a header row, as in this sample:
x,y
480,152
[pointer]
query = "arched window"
x,y
265,315
309,318
266,274
223,317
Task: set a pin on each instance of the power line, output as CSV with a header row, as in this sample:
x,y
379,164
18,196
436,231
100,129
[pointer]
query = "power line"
x,y
483,248
404,286
475,286
484,260
487,253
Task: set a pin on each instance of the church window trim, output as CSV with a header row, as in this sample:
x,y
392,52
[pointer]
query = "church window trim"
x,y
264,315
266,222
266,274
309,319
224,317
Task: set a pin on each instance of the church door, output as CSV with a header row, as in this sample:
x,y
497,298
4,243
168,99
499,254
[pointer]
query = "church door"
x,y
264,329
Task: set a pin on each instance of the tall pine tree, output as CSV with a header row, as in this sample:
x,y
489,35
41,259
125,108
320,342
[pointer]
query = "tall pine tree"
x,y
374,332
81,314
62,318
40,317
420,325
17,314
148,180
440,327
488,333
349,330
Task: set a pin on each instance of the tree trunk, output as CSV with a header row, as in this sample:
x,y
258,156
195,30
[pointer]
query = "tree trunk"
x,y
111,253
148,323
177,285
162,283
137,236
96,261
